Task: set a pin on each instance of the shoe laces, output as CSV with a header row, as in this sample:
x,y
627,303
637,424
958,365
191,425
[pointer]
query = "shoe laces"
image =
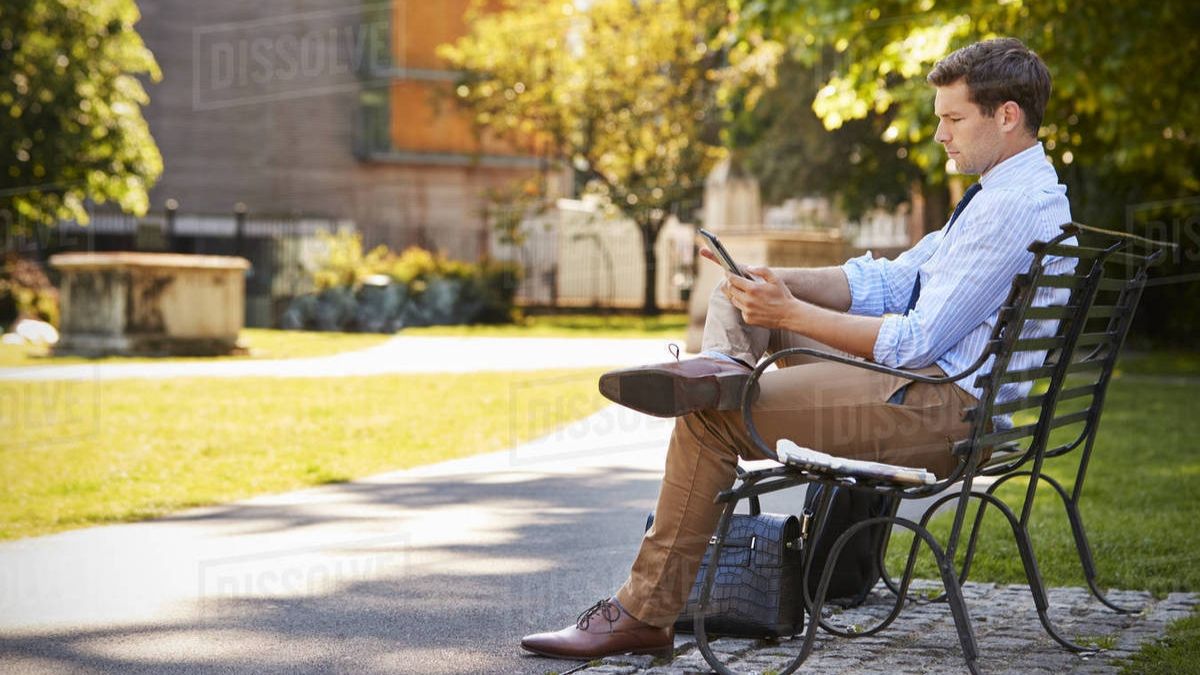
x,y
606,608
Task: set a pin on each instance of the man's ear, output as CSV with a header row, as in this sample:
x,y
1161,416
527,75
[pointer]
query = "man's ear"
x,y
1010,116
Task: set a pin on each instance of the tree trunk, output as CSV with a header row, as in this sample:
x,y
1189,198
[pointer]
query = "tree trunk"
x,y
650,232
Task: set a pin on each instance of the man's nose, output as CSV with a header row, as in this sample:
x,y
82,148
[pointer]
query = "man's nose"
x,y
940,134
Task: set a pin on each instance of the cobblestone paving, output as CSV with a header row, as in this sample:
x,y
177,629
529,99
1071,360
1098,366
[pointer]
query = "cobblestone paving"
x,y
923,639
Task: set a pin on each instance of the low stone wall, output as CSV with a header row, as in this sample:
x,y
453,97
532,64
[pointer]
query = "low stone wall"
x,y
150,303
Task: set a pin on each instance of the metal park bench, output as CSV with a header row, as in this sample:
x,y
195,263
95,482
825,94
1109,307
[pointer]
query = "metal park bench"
x,y
1065,392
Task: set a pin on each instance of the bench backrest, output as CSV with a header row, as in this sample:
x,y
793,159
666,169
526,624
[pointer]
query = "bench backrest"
x,y
1068,389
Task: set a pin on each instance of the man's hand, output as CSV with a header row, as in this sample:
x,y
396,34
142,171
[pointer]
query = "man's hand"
x,y
811,302
822,286
765,301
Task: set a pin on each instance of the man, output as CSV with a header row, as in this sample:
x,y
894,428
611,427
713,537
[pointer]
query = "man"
x,y
931,310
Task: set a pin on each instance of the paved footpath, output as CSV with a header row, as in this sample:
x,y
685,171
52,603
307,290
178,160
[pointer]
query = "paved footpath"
x,y
924,640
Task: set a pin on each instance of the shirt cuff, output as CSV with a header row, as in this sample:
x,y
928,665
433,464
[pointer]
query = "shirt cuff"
x,y
862,300
887,343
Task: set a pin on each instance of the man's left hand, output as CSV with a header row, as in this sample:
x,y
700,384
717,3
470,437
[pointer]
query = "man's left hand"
x,y
765,301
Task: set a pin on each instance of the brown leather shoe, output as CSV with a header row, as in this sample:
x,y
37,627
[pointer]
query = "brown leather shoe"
x,y
677,387
604,629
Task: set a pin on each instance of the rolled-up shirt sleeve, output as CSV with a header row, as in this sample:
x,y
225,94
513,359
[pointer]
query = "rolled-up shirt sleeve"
x,y
963,284
879,286
866,277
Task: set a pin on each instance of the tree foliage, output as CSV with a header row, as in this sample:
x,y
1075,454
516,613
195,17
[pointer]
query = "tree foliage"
x,y
627,93
1122,125
1124,73
70,100
786,146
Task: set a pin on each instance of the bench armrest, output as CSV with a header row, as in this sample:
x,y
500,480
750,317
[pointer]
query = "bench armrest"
x,y
747,400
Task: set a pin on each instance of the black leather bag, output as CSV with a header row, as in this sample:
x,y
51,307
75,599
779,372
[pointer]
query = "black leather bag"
x,y
858,568
757,591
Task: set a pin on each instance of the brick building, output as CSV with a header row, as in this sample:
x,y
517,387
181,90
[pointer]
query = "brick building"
x,y
323,109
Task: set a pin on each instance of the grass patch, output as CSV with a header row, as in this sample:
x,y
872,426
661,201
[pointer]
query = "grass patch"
x,y
83,453
669,326
264,343
1175,654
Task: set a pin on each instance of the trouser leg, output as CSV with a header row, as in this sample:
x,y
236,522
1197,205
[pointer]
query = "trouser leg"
x,y
726,332
830,407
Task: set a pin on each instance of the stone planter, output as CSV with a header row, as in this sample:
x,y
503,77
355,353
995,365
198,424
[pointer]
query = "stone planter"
x,y
150,303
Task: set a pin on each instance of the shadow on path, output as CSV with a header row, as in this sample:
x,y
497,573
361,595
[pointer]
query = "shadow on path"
x,y
411,575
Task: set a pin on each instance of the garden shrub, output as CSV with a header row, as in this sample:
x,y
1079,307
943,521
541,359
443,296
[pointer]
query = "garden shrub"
x,y
382,291
25,292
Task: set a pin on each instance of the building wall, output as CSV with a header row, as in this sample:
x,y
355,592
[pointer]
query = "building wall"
x,y
260,103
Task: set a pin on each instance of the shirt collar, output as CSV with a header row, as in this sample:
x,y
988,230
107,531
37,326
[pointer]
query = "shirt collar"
x,y
1015,167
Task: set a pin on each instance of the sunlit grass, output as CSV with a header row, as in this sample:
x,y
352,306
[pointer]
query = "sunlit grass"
x,y
83,453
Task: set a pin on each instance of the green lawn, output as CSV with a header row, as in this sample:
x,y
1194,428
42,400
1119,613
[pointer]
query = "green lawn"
x,y
1140,505
83,453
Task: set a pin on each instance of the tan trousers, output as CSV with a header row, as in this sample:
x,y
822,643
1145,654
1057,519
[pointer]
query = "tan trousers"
x,y
827,406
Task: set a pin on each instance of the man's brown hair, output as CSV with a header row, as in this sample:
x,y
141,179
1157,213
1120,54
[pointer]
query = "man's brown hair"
x,y
997,71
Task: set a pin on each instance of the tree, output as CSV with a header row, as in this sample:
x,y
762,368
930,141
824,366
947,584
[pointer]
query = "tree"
x,y
71,103
1121,103
785,145
1122,126
627,93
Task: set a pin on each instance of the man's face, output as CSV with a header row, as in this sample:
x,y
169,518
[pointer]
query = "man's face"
x,y
973,140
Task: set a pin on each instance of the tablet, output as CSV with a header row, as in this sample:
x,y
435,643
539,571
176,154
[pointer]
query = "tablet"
x,y
723,256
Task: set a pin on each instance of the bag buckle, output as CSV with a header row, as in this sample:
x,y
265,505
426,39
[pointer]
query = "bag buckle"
x,y
753,540
805,520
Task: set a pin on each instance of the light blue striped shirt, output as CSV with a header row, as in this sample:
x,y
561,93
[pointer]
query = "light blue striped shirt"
x,y
966,275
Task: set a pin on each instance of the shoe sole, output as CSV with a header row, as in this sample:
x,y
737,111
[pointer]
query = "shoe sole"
x,y
656,652
665,394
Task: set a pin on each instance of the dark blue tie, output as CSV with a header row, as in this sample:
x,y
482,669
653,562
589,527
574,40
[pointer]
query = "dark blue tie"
x,y
962,204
